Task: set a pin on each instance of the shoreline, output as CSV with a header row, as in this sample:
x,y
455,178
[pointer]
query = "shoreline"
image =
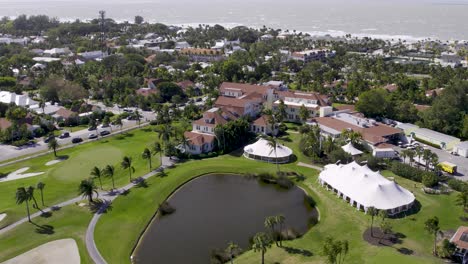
x,y
333,33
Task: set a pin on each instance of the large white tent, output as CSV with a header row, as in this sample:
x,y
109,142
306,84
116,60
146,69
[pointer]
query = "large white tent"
x,y
365,188
260,150
350,149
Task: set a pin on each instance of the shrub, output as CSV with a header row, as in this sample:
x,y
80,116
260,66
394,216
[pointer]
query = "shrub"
x,y
165,208
457,185
309,201
266,177
284,182
446,249
430,179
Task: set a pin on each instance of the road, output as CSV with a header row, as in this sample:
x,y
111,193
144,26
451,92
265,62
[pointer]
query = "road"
x,y
461,162
8,152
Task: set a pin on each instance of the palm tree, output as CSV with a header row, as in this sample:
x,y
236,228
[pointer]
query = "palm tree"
x,y
410,155
231,250
109,172
127,164
419,152
138,117
462,200
432,226
42,105
279,219
261,242
23,196
164,132
87,188
270,222
147,155
53,144
40,186
434,160
118,122
158,149
30,191
273,144
97,173
373,212
427,157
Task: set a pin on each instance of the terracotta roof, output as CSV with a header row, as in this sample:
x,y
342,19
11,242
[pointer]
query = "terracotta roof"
x,y
229,101
461,237
213,119
422,107
261,121
146,91
186,84
150,58
196,51
65,113
384,145
375,134
198,139
334,84
391,87
351,108
5,123
244,88
437,91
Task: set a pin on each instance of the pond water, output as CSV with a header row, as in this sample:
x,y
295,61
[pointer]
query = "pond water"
x,y
213,210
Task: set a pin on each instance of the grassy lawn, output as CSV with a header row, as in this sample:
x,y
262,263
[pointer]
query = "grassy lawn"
x,y
118,230
69,222
62,179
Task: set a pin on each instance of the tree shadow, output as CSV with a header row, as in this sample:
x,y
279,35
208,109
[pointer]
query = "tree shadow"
x,y
46,214
147,129
125,192
286,139
141,183
298,251
63,157
300,178
237,153
162,174
405,251
55,208
100,206
44,229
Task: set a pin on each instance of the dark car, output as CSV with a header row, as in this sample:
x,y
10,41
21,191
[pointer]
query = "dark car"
x,y
104,133
64,135
91,128
77,140
47,139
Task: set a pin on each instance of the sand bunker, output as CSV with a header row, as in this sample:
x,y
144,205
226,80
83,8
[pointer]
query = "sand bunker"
x,y
55,252
52,162
2,216
19,174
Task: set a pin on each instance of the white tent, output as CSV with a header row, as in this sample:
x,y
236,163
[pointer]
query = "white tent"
x,y
350,149
260,150
364,188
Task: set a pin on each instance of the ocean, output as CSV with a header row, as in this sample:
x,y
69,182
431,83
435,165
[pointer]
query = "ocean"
x,y
396,19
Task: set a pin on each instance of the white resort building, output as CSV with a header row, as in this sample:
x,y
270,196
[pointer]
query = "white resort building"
x,y
261,151
364,188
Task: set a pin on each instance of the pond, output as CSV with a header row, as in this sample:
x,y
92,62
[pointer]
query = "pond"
x,y
213,210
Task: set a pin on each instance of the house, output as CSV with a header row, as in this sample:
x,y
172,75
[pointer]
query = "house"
x,y
449,59
293,101
240,106
57,52
202,55
434,92
460,239
198,143
461,149
18,99
64,114
262,126
182,45
28,121
391,87
312,55
376,136
145,91
93,55
201,138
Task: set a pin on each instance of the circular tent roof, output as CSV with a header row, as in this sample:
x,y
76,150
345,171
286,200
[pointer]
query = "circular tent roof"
x,y
261,148
350,149
365,186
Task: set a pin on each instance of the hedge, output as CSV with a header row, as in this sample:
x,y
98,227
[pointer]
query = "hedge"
x,y
427,142
414,174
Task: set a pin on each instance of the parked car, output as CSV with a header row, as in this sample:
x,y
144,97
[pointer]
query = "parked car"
x,y
104,133
76,140
47,139
92,136
92,128
64,135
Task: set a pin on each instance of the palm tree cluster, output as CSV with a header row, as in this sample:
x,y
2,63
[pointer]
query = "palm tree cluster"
x,y
429,158
270,223
335,250
25,195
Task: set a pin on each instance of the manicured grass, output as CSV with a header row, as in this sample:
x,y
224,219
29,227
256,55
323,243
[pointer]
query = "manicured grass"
x,y
62,179
131,214
69,222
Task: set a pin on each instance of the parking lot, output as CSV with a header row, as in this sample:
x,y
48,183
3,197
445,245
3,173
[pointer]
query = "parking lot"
x,y
461,162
